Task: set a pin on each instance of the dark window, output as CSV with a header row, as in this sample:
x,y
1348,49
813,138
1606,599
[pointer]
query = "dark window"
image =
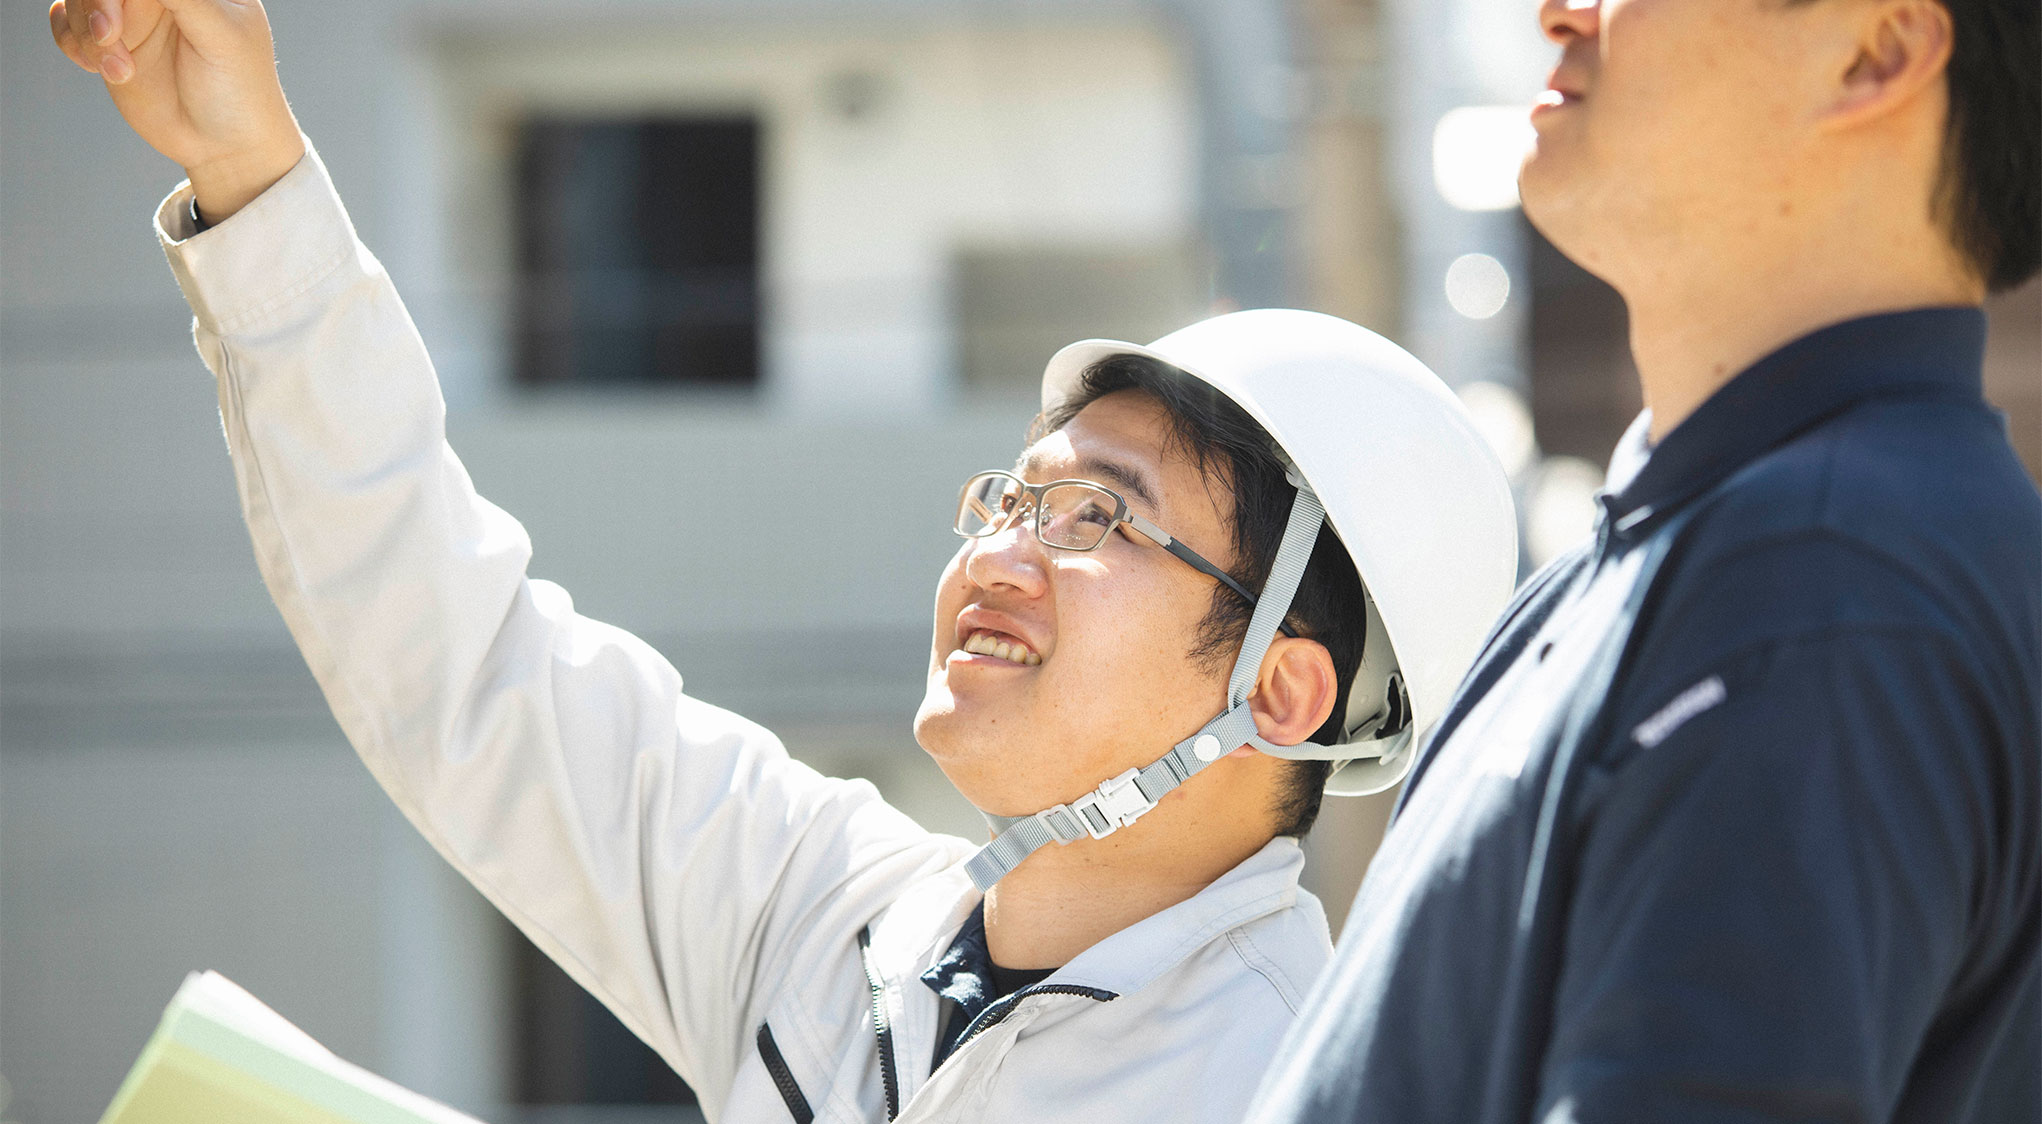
x,y
1584,388
571,1050
638,252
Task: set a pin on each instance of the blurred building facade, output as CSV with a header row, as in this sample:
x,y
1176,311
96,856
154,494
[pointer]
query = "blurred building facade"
x,y
678,261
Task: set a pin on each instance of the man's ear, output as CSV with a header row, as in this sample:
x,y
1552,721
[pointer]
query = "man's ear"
x,y
1901,48
1294,693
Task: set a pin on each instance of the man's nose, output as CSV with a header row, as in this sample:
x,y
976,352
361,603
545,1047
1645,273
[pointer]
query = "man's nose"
x,y
1564,21
1012,556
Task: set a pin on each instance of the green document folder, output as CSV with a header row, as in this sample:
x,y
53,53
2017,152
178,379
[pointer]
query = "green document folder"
x,y
221,1057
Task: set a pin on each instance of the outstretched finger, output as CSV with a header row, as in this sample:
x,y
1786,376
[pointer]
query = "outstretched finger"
x,y
96,22
101,47
67,39
116,65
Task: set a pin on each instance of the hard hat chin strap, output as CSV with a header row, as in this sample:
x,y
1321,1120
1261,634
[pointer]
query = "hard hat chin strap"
x,y
1127,797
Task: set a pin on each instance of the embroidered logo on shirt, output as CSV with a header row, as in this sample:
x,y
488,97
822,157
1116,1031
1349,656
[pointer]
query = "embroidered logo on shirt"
x,y
1696,699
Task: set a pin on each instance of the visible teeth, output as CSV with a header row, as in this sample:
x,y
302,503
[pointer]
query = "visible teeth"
x,y
986,644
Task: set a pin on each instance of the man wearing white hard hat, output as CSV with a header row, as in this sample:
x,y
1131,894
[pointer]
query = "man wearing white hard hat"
x,y
1194,603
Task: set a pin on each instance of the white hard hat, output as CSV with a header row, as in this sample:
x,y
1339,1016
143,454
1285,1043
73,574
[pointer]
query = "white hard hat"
x,y
1385,453
1407,482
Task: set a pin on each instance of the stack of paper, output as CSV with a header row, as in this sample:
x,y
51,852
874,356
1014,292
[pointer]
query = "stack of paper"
x,y
221,1057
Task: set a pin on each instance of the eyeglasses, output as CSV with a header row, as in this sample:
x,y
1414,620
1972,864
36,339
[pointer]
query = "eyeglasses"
x,y
1069,515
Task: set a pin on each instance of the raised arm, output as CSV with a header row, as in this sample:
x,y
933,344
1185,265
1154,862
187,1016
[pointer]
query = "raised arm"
x,y
197,79
668,854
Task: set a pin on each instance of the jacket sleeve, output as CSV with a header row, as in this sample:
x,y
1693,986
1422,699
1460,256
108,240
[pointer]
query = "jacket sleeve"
x,y
668,854
1779,887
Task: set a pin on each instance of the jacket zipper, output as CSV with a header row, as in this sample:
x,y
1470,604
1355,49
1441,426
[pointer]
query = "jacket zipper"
x,y
769,1052
992,1016
882,1025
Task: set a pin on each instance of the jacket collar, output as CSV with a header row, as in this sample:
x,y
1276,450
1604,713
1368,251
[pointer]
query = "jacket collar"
x,y
1129,960
920,927
1820,375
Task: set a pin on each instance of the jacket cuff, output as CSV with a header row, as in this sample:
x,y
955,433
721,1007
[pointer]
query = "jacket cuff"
x,y
279,245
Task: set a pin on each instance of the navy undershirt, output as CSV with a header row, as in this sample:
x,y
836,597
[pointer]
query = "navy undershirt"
x,y
968,978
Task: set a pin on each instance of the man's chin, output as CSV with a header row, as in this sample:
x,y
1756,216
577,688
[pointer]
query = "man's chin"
x,y
1556,203
956,737
941,731
1540,185
976,769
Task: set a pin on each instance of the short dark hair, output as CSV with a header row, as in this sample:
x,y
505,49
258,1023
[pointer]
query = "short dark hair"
x,y
1231,450
1989,190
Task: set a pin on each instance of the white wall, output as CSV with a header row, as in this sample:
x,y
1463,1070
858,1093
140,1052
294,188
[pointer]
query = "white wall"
x,y
975,134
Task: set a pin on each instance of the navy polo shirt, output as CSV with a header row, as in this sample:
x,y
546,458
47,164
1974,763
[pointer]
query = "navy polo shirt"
x,y
1789,871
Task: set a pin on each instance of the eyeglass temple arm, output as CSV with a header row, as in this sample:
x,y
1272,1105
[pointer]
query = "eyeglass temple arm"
x,y
1162,538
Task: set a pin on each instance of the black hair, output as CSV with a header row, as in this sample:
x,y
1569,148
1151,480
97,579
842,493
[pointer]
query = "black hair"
x,y
1989,190
1235,453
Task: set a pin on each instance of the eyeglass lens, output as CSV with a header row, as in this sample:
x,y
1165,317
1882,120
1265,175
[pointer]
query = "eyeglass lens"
x,y
1072,516
987,500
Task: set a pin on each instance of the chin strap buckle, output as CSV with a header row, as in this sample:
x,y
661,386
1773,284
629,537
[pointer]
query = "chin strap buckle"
x,y
1112,806
1100,812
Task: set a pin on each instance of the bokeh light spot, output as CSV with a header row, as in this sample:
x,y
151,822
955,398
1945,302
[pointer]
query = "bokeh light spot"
x,y
1477,286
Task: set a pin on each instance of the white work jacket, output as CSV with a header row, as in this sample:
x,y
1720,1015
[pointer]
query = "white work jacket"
x,y
762,926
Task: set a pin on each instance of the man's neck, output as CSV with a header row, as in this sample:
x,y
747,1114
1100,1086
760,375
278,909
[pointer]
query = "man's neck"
x,y
1694,328
1045,922
1064,900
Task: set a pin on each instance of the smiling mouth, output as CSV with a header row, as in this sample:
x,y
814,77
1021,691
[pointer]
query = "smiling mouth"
x,y
984,643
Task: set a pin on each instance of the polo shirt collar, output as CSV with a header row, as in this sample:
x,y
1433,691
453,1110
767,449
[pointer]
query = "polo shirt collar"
x,y
1809,380
964,975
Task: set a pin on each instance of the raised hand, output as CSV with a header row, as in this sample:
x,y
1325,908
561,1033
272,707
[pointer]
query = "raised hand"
x,y
197,79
